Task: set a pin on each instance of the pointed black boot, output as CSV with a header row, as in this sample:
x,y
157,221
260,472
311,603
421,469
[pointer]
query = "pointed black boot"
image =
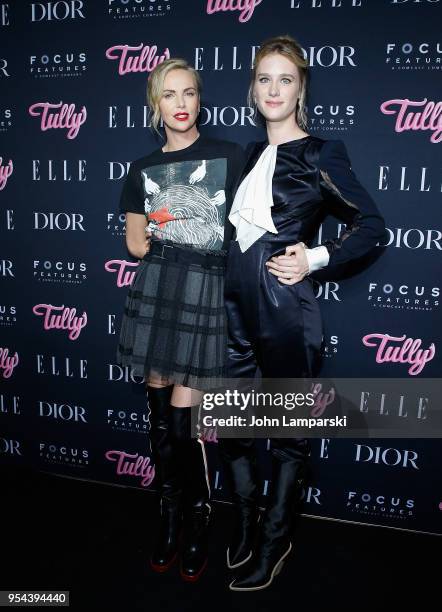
x,y
196,496
239,463
167,479
274,543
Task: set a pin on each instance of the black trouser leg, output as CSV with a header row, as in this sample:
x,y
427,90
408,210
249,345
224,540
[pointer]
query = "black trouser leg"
x,y
167,479
196,494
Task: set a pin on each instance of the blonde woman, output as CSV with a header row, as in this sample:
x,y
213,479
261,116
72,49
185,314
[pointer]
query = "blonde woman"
x,y
274,320
173,329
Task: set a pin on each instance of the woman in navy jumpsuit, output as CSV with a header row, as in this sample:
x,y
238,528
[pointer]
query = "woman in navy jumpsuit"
x,y
274,320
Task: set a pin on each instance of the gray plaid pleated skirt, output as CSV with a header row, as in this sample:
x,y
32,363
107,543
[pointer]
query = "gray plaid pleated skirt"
x,y
174,321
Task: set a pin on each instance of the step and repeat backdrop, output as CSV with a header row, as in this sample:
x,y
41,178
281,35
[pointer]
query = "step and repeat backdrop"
x,y
73,116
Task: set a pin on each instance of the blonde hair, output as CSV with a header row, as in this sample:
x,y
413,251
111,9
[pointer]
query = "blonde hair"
x,y
155,85
288,47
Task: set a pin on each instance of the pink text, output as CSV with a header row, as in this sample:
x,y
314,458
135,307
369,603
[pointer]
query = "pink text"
x,y
407,352
67,318
65,118
120,266
430,118
133,465
145,61
5,172
7,364
245,6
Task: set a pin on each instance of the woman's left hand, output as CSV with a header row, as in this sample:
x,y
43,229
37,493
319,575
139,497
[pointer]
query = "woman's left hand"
x,y
291,267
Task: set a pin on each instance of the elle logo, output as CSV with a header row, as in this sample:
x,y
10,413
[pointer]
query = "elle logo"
x,y
65,118
4,17
246,7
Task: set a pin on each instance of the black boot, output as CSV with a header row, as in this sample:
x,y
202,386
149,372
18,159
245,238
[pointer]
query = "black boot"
x,y
196,495
167,480
239,462
274,543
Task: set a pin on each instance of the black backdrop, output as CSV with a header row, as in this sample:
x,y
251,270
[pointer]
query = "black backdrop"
x,y
65,406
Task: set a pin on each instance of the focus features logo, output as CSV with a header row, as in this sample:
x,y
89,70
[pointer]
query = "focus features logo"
x,y
375,504
414,56
55,65
331,117
403,297
135,9
63,454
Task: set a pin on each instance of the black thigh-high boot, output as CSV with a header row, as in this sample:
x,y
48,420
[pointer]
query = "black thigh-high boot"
x,y
238,456
167,479
289,469
196,494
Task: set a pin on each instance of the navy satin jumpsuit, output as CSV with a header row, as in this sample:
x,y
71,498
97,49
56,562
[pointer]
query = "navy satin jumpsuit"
x,y
278,327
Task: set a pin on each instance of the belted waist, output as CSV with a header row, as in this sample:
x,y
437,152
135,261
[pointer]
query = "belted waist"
x,y
186,254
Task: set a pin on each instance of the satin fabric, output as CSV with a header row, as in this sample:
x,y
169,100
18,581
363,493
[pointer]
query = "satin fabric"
x,y
273,326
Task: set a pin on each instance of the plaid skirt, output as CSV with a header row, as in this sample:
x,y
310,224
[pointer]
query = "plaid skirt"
x,y
174,322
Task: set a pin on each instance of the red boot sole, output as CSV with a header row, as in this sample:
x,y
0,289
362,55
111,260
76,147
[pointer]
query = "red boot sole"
x,y
196,577
160,569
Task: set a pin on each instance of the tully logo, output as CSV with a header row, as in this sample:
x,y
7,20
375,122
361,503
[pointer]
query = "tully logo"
x,y
429,116
132,465
61,317
5,172
59,116
7,363
142,58
124,269
246,7
400,349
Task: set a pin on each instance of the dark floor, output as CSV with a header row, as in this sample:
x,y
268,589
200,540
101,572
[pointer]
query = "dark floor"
x,y
93,540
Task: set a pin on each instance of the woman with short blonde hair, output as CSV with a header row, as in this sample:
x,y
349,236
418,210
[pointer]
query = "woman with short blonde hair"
x,y
173,330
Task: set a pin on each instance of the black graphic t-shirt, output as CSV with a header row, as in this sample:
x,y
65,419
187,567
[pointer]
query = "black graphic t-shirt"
x,y
187,194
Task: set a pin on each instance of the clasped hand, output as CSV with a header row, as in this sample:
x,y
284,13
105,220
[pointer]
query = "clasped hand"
x,y
292,267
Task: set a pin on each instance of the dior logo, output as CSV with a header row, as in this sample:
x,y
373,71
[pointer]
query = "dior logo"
x,y
58,221
118,170
6,268
63,412
117,373
388,456
10,447
57,11
413,238
3,67
327,290
330,56
4,16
